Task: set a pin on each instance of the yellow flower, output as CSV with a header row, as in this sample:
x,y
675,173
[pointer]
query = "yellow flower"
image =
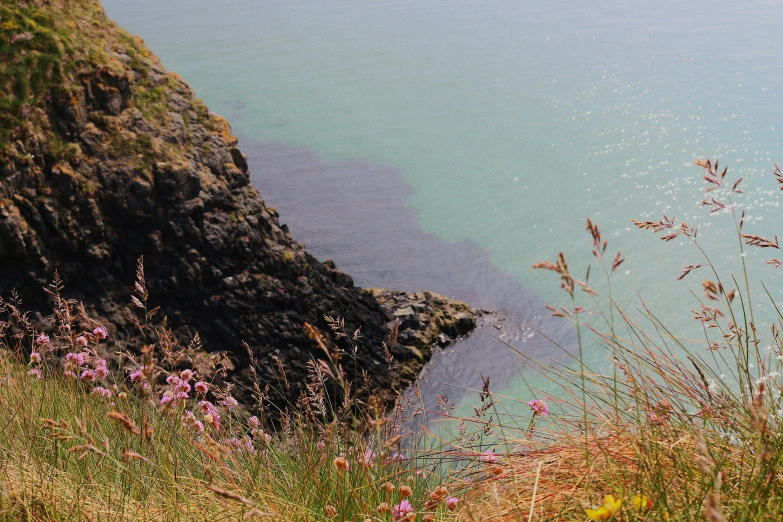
x,y
611,504
602,513
642,504
607,511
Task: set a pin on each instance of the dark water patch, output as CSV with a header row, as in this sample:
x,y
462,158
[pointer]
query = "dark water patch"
x,y
356,214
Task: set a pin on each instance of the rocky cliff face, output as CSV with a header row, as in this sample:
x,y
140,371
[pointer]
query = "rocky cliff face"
x,y
108,157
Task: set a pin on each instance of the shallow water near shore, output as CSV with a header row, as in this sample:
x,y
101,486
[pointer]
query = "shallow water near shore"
x,y
450,145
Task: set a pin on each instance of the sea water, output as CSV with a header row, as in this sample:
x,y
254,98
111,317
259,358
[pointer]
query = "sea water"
x,y
450,145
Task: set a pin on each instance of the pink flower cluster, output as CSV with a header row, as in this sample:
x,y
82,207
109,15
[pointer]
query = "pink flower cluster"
x,y
86,368
402,510
101,391
397,457
539,408
488,457
190,421
140,380
229,402
73,364
367,459
21,37
98,371
35,358
243,444
179,387
257,433
210,413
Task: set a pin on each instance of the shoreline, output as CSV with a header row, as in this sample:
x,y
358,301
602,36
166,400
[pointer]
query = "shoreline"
x,y
380,244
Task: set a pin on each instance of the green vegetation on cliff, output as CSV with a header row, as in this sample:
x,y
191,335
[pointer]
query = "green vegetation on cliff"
x,y
46,50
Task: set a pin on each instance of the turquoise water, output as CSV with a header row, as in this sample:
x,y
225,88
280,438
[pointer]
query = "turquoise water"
x,y
501,126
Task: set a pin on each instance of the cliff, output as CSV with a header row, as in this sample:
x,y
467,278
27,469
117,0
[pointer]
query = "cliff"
x,y
106,157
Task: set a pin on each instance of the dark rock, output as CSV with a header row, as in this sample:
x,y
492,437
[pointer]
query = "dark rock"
x,y
426,321
168,182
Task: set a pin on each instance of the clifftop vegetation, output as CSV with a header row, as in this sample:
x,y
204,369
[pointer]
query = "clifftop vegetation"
x,y
46,51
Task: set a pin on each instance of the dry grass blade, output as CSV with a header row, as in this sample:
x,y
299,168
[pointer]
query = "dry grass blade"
x,y
124,421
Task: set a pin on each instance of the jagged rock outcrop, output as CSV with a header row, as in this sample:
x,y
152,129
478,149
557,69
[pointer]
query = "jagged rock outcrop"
x,y
114,158
424,321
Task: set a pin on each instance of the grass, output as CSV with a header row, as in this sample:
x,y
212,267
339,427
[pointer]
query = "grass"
x,y
92,445
676,430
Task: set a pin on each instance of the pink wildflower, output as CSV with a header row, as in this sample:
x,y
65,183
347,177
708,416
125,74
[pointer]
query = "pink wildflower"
x,y
201,387
81,341
35,357
42,339
76,359
488,457
88,375
190,421
100,332
167,398
243,444
260,434
397,458
539,408
103,392
137,376
206,407
253,421
101,372
401,510
35,372
210,413
229,402
69,373
451,503
368,458
186,375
